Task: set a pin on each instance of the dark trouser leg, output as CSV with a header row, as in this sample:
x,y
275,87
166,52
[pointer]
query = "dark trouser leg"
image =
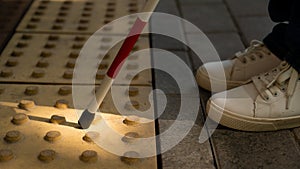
x,y
279,11
275,41
284,41
293,36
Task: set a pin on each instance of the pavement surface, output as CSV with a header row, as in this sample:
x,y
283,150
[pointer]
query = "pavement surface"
x,y
230,25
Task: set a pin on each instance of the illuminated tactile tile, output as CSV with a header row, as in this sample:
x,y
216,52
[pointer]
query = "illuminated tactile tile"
x,y
52,136
90,136
130,137
13,136
130,157
56,119
42,58
68,147
47,155
89,156
19,118
60,97
61,104
26,104
6,155
131,120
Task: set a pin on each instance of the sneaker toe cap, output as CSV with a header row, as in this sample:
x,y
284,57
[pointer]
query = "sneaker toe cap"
x,y
239,101
213,75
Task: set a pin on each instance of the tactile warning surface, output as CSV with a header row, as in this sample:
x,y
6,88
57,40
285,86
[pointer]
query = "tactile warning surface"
x,y
37,67
42,58
79,16
41,144
129,98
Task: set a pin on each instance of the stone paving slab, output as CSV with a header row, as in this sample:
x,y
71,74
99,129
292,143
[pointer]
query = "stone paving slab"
x,y
197,2
255,27
174,103
248,7
226,44
164,81
167,43
165,29
175,69
167,6
296,131
235,150
213,17
189,153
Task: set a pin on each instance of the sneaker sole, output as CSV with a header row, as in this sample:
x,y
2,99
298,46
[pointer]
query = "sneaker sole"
x,y
203,81
244,123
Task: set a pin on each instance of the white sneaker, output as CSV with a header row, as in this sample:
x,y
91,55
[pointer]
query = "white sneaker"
x,y
238,71
270,102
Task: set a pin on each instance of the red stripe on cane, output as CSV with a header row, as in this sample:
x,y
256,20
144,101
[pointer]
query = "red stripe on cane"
x,y
126,48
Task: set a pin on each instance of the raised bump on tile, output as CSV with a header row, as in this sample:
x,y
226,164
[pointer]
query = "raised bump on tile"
x,y
89,156
31,90
61,104
19,119
26,104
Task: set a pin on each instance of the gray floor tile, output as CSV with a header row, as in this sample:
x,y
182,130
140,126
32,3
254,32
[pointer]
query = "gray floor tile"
x,y
255,27
167,6
226,44
248,7
175,107
197,2
296,132
168,31
189,153
174,73
167,43
208,17
235,150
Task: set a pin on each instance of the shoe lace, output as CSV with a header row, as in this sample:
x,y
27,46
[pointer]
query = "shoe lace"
x,y
252,52
283,76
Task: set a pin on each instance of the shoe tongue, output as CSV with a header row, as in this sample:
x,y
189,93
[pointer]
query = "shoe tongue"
x,y
284,76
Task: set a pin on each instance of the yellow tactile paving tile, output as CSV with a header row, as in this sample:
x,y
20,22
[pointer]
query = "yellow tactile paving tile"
x,y
43,58
79,16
